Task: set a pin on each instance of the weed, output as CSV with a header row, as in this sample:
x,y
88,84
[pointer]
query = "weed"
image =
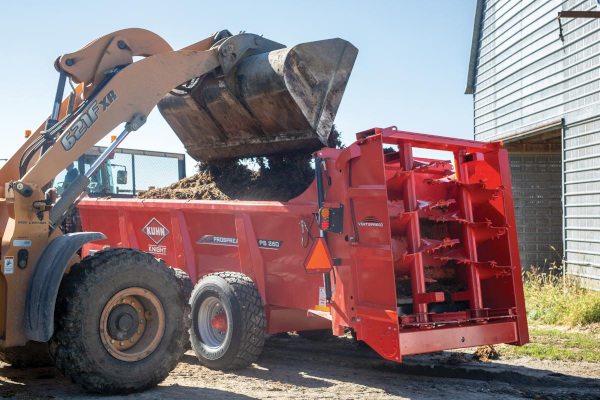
x,y
555,344
555,299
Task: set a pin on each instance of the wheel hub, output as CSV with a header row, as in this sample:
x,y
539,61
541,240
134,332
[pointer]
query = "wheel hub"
x,y
132,324
219,322
213,322
123,322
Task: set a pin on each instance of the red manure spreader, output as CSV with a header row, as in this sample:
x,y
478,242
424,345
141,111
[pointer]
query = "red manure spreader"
x,y
412,255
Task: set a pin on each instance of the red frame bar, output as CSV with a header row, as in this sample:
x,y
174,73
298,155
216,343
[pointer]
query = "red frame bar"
x,y
469,238
418,341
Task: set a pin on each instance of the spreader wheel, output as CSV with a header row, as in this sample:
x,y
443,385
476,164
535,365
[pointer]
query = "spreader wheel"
x,y
121,322
228,321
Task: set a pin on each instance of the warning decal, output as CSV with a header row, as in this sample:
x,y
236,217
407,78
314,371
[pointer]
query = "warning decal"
x,y
9,265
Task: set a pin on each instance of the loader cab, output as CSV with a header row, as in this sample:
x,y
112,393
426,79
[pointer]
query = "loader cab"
x,y
125,173
102,182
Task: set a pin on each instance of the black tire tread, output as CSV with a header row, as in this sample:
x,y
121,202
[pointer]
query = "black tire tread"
x,y
187,286
68,351
254,322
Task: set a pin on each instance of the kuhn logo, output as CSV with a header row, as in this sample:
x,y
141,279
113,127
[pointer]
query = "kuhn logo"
x,y
371,221
156,231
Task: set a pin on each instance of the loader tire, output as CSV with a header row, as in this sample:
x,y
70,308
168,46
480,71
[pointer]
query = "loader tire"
x,y
32,355
318,335
228,321
120,322
185,283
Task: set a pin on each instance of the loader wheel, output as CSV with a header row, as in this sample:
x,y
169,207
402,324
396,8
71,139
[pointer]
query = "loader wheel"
x,y
120,322
32,355
318,335
185,284
228,321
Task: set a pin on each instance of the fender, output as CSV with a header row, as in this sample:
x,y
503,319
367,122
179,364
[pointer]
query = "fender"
x,y
43,288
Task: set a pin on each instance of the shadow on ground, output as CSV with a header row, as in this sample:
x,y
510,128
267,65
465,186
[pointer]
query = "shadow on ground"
x,y
292,366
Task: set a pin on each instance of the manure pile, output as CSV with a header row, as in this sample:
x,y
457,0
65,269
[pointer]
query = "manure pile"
x,y
278,178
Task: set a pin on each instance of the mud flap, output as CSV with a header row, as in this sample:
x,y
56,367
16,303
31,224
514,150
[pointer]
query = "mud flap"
x,y
47,275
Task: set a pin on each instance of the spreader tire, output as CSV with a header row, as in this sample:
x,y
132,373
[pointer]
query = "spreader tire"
x,y
120,322
318,335
236,340
32,355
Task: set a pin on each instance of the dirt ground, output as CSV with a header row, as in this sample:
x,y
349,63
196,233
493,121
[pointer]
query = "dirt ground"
x,y
292,367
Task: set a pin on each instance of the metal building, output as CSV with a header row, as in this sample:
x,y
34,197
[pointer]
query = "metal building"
x,y
539,92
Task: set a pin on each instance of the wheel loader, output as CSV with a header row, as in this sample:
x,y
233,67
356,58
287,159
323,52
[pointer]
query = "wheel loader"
x,y
116,321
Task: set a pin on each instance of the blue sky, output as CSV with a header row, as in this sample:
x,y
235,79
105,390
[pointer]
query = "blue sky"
x,y
410,72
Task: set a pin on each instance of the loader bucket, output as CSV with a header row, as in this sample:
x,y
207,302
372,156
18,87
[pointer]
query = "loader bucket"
x,y
275,101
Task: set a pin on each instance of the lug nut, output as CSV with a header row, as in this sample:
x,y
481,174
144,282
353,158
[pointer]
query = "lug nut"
x,y
121,344
112,341
131,340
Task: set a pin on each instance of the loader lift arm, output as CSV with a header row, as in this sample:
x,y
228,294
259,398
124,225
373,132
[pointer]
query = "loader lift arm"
x,y
95,68
115,89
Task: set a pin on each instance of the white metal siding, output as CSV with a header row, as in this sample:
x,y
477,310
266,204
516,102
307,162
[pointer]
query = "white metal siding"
x,y
526,77
582,200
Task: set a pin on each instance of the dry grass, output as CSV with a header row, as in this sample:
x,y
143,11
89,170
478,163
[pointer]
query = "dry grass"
x,y
551,343
564,319
556,300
